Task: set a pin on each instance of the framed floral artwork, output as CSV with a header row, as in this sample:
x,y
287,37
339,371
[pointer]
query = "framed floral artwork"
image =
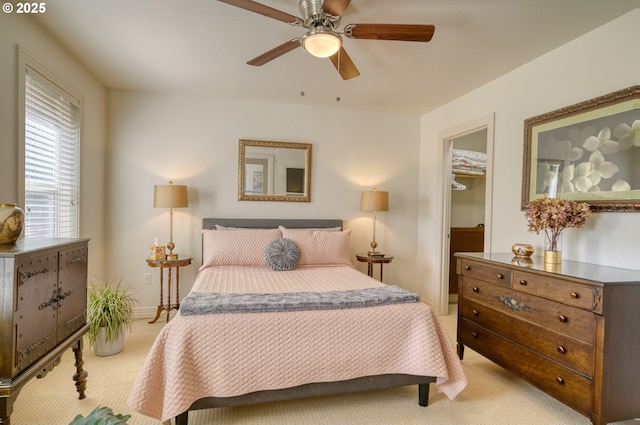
x,y
586,152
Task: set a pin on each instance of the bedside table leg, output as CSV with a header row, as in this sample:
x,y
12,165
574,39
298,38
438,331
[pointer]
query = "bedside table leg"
x,y
169,295
177,288
155,319
160,306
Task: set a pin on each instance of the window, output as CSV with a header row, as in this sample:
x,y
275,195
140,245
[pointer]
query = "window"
x,y
51,156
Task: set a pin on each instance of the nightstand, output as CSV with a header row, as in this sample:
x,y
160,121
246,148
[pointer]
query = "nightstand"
x,y
372,259
169,264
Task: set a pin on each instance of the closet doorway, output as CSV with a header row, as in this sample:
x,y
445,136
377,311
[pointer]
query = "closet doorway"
x,y
467,201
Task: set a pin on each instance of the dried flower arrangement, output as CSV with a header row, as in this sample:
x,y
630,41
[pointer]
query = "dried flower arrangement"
x,y
553,215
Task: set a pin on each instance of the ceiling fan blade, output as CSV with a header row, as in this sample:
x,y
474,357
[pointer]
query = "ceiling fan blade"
x,y
256,7
275,52
399,32
335,7
344,65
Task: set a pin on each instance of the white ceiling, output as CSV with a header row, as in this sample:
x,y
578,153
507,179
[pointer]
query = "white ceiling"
x,y
202,46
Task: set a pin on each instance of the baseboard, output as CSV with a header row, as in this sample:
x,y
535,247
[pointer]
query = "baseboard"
x,y
145,312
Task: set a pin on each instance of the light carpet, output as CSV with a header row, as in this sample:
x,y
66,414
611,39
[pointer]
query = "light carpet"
x,y
492,397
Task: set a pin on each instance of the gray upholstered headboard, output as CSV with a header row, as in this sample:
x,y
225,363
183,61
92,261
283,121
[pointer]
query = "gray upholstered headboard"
x,y
270,223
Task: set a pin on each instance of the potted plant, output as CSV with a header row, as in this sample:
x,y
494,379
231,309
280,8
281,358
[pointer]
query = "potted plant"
x,y
110,313
553,215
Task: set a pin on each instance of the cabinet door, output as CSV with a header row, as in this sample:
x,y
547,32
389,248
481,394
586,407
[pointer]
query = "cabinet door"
x,y
72,290
35,312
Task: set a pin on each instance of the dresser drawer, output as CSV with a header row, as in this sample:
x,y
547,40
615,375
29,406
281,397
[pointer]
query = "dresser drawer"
x,y
575,294
572,321
567,386
495,274
576,354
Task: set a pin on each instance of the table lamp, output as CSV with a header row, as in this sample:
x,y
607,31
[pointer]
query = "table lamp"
x,y
374,201
170,196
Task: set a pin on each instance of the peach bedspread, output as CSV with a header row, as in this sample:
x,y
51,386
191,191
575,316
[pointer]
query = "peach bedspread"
x,y
223,355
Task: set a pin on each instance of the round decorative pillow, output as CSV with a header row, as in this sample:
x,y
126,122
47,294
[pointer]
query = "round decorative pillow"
x,y
283,254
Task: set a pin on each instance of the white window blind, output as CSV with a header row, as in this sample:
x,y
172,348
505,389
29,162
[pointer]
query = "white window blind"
x,y
52,150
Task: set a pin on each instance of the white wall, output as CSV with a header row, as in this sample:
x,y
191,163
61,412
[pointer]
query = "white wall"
x,y
600,62
20,30
191,140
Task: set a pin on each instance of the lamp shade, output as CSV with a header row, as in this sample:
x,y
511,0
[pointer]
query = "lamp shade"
x,y
374,200
170,196
321,44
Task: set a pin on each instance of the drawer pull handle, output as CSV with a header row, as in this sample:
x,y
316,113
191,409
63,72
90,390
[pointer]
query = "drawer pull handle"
x,y
562,349
559,380
523,282
467,268
24,276
475,312
82,258
575,295
500,276
563,318
476,289
474,334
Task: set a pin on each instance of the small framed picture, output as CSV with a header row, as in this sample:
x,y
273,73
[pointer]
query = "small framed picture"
x,y
159,252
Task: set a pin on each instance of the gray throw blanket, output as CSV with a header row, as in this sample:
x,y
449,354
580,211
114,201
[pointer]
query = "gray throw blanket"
x,y
209,303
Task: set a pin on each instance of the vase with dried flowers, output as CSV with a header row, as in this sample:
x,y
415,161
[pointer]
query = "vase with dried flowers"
x,y
553,215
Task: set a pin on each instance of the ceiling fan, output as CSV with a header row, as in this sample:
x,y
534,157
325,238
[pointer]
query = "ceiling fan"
x,y
323,39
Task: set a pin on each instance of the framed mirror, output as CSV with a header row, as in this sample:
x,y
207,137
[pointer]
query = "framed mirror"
x,y
274,171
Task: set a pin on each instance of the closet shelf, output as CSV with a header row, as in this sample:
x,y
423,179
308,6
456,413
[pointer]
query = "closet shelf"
x,y
474,178
468,176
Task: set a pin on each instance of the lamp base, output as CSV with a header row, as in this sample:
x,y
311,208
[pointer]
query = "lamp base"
x,y
373,243
172,257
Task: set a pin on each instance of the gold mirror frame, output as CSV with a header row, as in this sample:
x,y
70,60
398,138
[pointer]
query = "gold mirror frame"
x,y
269,170
551,138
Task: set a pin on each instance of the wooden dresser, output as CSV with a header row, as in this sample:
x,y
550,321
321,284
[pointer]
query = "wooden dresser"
x,y
573,332
43,299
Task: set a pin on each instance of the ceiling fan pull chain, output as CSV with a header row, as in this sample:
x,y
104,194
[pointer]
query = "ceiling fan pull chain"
x,y
337,76
302,93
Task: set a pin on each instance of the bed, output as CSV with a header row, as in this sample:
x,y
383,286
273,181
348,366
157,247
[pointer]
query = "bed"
x,y
254,328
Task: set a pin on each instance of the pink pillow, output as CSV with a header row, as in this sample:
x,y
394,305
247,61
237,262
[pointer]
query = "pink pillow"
x,y
236,247
320,247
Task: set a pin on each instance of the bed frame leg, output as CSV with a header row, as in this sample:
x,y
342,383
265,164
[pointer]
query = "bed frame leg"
x,y
423,395
182,418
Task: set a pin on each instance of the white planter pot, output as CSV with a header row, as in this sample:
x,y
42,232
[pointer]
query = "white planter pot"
x,y
110,348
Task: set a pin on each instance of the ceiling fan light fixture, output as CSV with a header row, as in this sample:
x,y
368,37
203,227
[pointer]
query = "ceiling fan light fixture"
x,y
321,43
